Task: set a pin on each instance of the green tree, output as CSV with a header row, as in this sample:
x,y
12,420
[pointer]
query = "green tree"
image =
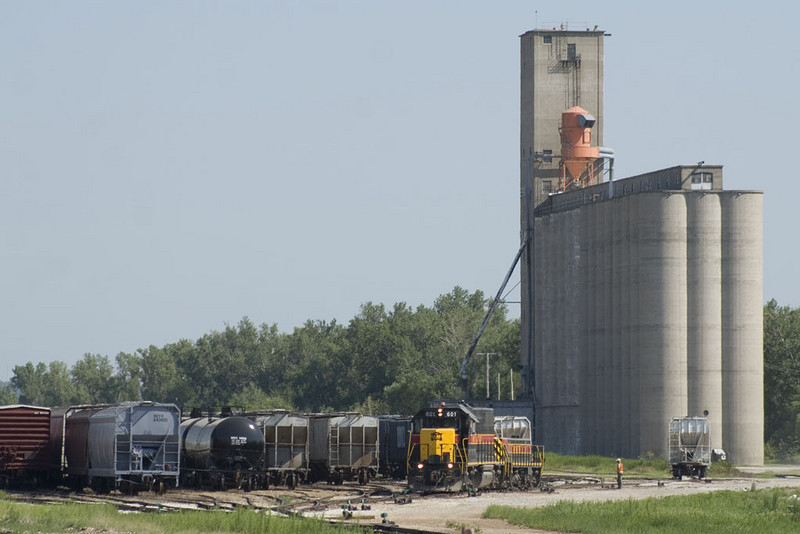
x,y
93,379
60,389
44,385
159,374
129,377
314,360
782,380
253,398
31,382
274,359
7,395
371,344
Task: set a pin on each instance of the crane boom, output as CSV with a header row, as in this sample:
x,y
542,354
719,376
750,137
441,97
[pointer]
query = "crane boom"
x,y
471,349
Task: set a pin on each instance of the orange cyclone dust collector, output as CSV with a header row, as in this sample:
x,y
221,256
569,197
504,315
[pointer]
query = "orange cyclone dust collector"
x,y
577,153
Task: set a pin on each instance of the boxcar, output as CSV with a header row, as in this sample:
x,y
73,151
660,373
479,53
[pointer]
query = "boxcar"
x,y
26,452
343,447
129,446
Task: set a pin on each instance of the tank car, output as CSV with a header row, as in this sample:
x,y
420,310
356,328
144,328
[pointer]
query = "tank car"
x,y
224,452
286,447
26,451
343,447
128,446
394,431
454,447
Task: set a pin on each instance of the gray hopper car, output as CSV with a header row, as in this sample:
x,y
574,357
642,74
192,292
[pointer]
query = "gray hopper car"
x,y
689,446
343,447
128,446
286,438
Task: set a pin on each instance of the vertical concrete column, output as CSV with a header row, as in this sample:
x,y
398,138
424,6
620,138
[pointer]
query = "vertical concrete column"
x,y
593,367
742,327
632,323
662,308
704,309
609,416
540,365
619,369
572,325
598,342
588,428
557,312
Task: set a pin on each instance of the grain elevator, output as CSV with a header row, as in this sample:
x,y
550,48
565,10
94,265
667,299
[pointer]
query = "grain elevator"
x,y
641,297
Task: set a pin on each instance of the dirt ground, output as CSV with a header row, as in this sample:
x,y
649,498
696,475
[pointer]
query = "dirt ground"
x,y
449,514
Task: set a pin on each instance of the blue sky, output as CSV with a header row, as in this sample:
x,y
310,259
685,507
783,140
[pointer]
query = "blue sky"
x,y
168,168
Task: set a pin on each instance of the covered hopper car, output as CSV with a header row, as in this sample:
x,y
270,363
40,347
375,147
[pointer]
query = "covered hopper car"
x,y
343,447
689,446
286,437
128,446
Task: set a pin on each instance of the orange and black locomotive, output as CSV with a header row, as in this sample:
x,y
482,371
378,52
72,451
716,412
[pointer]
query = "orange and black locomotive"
x,y
456,447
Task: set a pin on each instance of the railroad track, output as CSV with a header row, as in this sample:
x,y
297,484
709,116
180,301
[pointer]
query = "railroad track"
x,y
315,499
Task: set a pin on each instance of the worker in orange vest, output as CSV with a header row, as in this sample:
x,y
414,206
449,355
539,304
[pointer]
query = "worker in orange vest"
x,y
620,470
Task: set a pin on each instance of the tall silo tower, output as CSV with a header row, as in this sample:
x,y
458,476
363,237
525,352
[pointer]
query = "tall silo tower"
x,y
560,69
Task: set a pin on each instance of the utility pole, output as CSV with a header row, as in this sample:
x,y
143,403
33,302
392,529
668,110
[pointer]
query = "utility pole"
x,y
487,354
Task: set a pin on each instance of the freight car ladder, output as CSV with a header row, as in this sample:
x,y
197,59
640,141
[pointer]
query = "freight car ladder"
x,y
334,446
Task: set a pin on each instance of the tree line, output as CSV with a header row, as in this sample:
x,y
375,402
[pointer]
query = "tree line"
x,y
383,361
782,381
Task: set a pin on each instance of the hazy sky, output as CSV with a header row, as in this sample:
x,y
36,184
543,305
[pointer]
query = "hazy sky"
x,y
168,168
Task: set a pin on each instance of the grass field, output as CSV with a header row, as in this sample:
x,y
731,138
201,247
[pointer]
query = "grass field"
x,y
57,518
636,467
771,511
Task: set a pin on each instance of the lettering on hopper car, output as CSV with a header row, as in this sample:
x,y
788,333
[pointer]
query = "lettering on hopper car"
x,y
160,418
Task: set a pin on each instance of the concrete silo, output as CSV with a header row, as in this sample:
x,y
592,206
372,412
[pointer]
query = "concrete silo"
x,y
742,327
648,307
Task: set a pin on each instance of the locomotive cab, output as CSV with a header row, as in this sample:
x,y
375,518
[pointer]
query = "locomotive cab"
x,y
438,448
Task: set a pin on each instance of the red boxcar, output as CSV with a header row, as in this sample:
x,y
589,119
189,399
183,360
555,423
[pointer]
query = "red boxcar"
x,y
25,447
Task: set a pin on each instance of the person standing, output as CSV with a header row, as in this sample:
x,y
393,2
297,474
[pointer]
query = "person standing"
x,y
620,470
